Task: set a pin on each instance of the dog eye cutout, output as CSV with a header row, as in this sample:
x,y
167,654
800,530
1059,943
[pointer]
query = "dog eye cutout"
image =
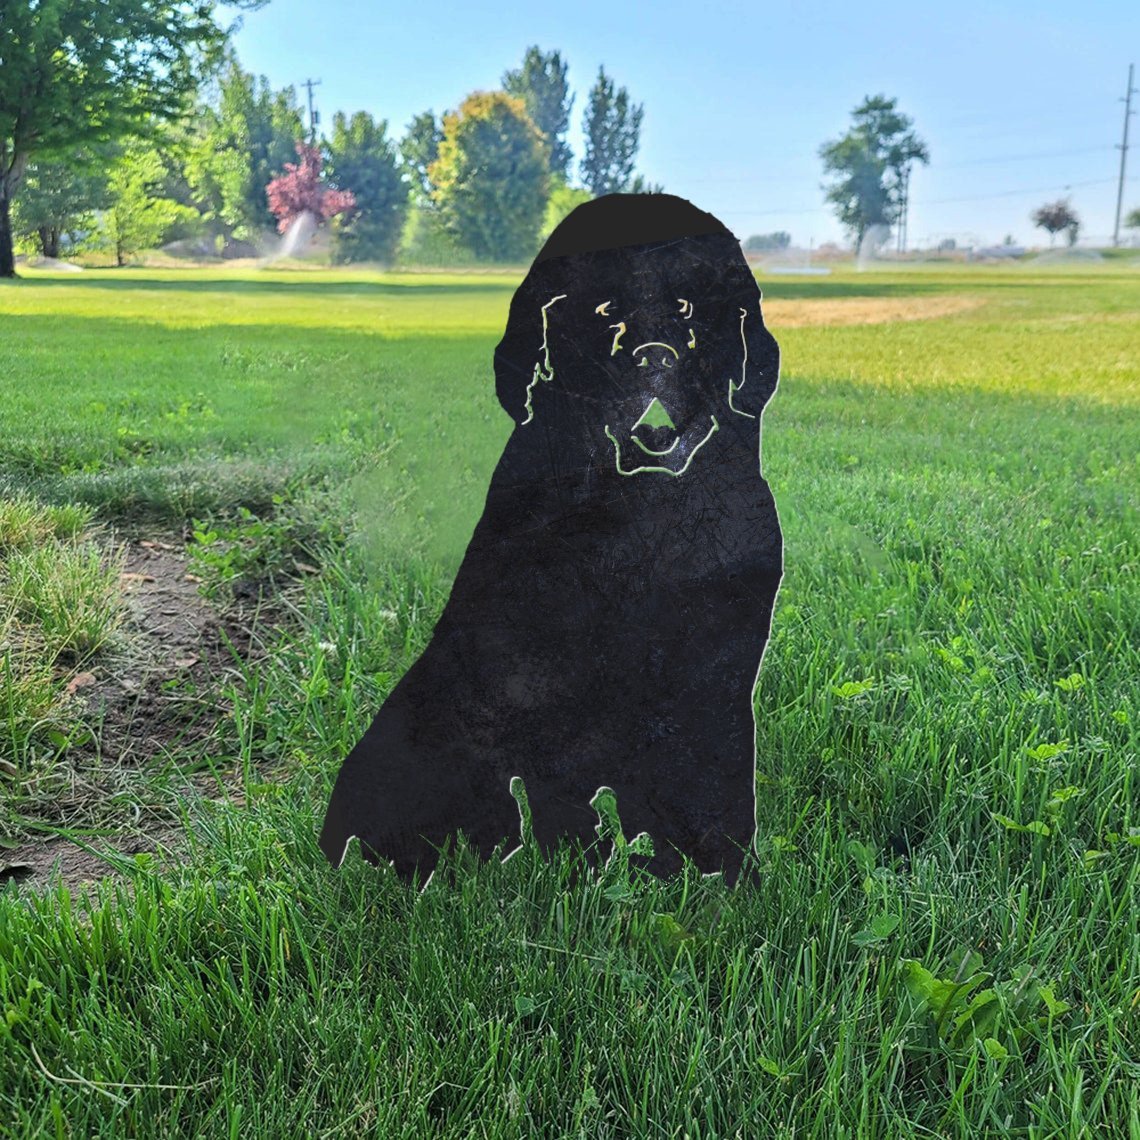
x,y
603,307
620,326
686,307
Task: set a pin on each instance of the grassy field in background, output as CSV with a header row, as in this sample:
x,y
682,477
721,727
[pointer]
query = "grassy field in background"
x,y
945,939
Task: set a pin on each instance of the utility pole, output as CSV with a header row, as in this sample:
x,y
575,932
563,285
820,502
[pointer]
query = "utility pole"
x,y
904,207
314,116
1123,148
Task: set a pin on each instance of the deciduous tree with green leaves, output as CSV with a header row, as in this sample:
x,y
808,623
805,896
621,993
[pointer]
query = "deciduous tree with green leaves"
x,y
362,159
490,180
541,84
241,144
1055,217
424,232
419,148
562,201
76,73
58,197
613,134
868,165
138,216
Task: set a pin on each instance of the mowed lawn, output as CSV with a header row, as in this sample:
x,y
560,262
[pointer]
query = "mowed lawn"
x,y
944,940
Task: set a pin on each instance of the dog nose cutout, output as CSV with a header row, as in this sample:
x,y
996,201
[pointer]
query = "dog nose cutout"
x,y
654,415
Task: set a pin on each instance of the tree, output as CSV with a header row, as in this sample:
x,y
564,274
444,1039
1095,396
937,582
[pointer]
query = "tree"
x,y
870,163
759,243
419,148
425,241
138,216
541,84
75,73
1133,219
563,199
362,158
58,197
641,185
300,191
613,134
1055,217
241,143
490,180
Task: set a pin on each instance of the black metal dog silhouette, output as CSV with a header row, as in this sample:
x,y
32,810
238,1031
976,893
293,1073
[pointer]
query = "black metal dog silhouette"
x,y
607,623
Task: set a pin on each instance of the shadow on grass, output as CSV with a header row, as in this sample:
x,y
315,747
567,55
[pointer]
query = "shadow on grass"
x,y
317,284
153,421
813,289
305,283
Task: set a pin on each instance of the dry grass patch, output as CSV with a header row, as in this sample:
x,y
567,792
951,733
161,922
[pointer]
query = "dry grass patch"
x,y
69,593
60,603
25,523
864,310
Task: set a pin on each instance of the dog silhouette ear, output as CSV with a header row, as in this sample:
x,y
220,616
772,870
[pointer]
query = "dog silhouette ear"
x,y
523,348
753,386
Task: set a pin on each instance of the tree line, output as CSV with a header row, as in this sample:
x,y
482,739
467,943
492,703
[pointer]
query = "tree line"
x,y
126,124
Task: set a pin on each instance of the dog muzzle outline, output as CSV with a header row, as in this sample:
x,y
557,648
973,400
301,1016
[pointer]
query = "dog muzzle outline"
x,y
646,468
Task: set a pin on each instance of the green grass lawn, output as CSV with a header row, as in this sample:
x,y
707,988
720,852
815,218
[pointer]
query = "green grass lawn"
x,y
953,671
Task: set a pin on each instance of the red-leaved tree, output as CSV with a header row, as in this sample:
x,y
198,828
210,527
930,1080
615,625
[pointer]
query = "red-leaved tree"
x,y
300,190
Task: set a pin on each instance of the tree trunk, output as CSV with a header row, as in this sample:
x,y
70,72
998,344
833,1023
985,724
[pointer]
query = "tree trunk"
x,y
49,241
11,171
7,255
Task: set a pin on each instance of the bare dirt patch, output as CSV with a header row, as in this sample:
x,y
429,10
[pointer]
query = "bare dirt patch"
x,y
791,314
37,864
153,705
145,701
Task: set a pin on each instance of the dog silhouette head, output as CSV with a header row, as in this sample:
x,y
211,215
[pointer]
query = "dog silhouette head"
x,y
638,329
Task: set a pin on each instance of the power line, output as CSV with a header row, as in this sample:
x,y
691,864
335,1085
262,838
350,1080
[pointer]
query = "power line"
x,y
1024,157
935,167
1014,193
938,201
1128,113
1011,128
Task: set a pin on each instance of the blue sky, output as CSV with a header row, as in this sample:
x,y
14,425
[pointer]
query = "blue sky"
x,y
1019,102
